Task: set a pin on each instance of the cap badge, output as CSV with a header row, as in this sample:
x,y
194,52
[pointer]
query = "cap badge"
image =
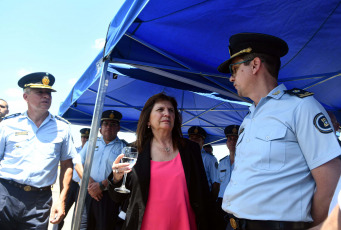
x,y
45,80
87,132
234,130
244,51
196,130
111,116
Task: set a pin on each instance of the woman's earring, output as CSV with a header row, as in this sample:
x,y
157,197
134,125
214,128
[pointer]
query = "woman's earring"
x,y
148,126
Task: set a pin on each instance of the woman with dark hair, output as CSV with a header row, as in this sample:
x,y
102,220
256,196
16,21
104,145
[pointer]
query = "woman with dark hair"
x,y
168,185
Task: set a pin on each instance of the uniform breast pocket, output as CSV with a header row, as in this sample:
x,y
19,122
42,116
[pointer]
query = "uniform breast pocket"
x,y
222,175
16,142
270,144
52,146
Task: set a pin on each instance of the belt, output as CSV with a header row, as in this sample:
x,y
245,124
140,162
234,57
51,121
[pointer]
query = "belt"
x,y
25,187
244,224
73,181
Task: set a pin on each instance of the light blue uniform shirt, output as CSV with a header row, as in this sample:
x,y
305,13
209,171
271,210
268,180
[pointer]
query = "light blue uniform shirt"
x,y
279,143
211,167
104,157
30,155
75,176
224,170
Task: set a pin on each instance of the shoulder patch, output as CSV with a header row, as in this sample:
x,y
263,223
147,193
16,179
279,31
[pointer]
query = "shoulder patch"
x,y
11,116
299,93
322,124
62,119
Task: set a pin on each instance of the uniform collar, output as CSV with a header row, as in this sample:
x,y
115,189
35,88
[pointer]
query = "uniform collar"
x,y
49,117
111,142
277,92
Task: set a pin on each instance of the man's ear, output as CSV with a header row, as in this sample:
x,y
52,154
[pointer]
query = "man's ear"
x,y
25,96
256,64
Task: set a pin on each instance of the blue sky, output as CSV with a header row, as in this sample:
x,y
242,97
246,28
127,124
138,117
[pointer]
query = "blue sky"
x,y
59,37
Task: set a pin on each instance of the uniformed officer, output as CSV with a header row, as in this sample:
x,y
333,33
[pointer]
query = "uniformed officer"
x,y
3,109
31,145
72,195
286,165
225,167
198,135
208,148
100,211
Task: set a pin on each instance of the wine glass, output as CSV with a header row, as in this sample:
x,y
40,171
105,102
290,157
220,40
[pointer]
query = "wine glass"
x,y
130,156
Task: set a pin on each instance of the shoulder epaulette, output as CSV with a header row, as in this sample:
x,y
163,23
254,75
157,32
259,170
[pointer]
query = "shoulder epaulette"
x,y
11,116
62,119
299,93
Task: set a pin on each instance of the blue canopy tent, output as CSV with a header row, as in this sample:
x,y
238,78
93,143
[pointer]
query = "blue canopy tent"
x,y
128,96
179,44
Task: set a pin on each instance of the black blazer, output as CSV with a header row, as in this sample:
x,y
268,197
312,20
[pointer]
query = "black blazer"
x,y
138,183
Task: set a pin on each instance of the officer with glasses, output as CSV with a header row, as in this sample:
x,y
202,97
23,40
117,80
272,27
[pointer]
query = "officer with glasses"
x,y
100,211
286,165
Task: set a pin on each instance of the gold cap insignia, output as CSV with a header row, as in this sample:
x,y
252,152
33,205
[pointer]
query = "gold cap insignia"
x,y
234,130
87,132
111,116
45,80
244,51
196,130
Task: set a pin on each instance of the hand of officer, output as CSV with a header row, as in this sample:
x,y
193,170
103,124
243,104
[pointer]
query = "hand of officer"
x,y
95,191
57,213
119,168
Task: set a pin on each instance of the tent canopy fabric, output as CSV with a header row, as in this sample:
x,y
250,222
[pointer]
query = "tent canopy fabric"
x,y
193,36
128,96
177,45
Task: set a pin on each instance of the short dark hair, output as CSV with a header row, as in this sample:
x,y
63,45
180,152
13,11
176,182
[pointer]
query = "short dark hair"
x,y
272,64
144,134
5,102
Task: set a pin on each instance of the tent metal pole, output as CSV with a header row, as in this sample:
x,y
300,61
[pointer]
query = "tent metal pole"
x,y
102,89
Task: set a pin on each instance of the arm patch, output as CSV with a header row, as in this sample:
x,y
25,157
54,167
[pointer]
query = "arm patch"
x,y
322,124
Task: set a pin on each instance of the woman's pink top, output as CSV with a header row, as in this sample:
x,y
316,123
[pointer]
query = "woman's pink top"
x,y
168,206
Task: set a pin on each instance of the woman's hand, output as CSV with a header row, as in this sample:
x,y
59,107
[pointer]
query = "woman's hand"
x,y
119,169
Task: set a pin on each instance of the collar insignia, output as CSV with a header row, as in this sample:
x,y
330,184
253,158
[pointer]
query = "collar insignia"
x,y
276,93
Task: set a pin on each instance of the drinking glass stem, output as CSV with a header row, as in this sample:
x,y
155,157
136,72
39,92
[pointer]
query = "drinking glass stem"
x,y
124,180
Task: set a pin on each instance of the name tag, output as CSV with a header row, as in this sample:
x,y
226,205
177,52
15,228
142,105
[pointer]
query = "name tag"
x,y
21,133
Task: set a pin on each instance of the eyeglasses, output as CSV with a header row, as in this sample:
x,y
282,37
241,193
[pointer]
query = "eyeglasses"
x,y
233,71
110,124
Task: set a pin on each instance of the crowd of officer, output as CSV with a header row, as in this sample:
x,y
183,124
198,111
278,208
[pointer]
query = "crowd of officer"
x,y
279,174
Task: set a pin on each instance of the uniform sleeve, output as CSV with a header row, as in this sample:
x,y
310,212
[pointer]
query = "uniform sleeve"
x,y
214,170
68,150
77,159
2,141
82,153
314,133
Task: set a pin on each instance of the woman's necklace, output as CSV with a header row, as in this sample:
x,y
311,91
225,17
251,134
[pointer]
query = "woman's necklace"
x,y
167,149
